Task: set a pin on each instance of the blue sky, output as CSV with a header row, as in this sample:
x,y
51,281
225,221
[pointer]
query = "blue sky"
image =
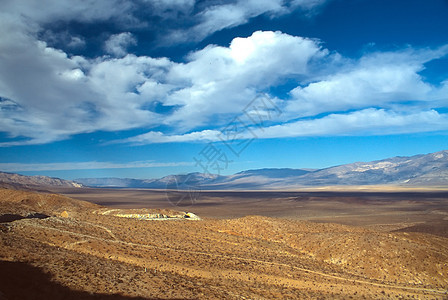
x,y
147,88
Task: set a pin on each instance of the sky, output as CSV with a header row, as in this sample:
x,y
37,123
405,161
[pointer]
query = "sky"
x,y
148,88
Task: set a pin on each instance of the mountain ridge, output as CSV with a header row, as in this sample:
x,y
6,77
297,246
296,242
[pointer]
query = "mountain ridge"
x,y
14,181
419,170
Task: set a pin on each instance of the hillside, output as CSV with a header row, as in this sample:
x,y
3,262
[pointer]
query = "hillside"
x,y
23,203
11,180
95,254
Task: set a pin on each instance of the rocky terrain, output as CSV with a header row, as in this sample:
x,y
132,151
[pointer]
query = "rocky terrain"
x,y
420,170
61,248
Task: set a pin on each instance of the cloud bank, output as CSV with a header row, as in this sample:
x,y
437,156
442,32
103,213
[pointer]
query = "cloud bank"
x,y
47,94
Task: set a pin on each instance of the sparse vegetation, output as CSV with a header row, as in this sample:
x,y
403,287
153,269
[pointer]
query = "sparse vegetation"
x,y
252,257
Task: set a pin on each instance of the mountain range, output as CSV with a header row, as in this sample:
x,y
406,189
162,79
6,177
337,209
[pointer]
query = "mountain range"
x,y
419,170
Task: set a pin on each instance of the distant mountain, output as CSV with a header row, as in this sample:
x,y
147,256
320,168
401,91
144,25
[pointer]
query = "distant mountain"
x,y
420,170
273,173
430,169
11,180
256,179
111,182
170,181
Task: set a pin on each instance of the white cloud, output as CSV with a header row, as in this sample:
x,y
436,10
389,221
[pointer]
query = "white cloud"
x,y
219,17
194,20
364,122
89,165
70,95
117,44
39,80
227,15
48,95
369,121
379,79
59,96
56,95
157,137
225,79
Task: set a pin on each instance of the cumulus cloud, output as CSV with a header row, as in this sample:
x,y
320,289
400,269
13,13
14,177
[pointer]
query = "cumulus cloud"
x,y
37,79
181,20
225,79
56,96
378,79
117,44
48,95
213,85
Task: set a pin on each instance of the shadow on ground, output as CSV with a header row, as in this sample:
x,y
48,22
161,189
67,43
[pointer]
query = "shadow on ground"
x,y
22,281
439,227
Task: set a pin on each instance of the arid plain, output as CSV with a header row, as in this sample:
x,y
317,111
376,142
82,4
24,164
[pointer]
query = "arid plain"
x,y
248,245
390,207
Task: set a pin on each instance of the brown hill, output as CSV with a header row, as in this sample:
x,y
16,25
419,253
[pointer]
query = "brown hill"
x,y
25,202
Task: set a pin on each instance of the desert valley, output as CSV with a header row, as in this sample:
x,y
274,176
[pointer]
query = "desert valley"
x,y
61,240
223,149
